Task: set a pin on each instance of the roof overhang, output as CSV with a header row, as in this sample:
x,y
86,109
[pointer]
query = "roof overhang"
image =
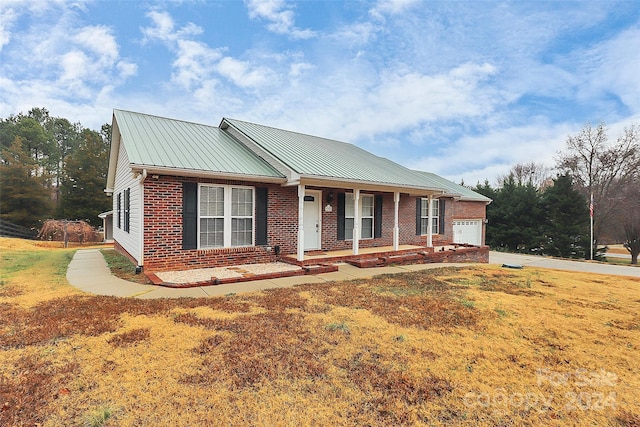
x,y
329,182
196,173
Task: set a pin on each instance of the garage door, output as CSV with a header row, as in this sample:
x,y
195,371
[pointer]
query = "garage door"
x,y
467,231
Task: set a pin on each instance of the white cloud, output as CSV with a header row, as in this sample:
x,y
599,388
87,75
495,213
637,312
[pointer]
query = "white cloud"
x,y
99,40
242,73
297,69
197,66
360,106
392,7
74,66
476,158
617,67
355,34
163,28
194,63
7,18
279,16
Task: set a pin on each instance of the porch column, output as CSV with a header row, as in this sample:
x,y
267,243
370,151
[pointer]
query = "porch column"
x,y
300,256
396,229
430,222
356,221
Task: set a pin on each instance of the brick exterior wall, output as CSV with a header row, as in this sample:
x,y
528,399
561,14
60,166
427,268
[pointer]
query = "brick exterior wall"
x,y
162,231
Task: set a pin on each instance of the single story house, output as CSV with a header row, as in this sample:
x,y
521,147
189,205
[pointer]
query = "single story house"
x,y
188,195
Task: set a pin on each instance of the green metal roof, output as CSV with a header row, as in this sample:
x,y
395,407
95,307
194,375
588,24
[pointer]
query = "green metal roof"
x,y
168,143
454,189
312,156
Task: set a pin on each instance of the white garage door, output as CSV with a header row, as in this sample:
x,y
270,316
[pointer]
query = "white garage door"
x,y
467,231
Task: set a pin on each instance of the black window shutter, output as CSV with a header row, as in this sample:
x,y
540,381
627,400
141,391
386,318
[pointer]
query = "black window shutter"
x,y
261,215
340,216
119,210
377,216
189,215
418,216
441,219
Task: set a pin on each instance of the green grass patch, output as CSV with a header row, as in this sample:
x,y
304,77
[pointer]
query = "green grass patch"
x,y
342,327
122,267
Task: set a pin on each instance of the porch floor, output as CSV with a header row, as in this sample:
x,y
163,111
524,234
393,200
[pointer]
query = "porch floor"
x,y
328,257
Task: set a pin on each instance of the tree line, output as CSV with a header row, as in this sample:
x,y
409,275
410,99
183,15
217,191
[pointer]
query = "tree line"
x,y
52,168
534,212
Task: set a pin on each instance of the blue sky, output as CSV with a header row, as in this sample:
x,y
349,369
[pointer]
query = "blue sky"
x,y
465,89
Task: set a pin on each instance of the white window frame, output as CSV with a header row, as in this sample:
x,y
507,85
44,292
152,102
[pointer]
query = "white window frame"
x,y
435,216
348,231
227,215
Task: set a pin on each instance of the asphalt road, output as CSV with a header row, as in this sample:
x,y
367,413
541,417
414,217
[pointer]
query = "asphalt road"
x,y
560,264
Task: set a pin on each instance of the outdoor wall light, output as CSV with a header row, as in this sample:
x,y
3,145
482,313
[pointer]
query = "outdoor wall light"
x,y
330,197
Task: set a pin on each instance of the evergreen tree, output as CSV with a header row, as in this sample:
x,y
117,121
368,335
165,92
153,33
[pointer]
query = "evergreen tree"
x,y
567,220
515,218
24,199
85,174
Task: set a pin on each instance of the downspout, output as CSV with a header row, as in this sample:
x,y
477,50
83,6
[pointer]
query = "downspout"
x,y
141,211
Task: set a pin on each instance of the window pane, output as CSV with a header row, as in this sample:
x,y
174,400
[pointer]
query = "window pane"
x,y
348,206
423,226
211,232
367,228
434,225
367,206
435,208
241,231
241,202
424,208
348,228
211,201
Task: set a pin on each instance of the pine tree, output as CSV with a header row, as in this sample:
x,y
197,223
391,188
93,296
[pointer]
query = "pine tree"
x,y
567,225
24,199
85,172
515,218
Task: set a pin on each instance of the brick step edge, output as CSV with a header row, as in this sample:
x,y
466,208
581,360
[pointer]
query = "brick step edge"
x,y
312,269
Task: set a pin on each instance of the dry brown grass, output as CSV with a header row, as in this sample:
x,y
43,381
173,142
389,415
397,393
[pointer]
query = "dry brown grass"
x,y
479,345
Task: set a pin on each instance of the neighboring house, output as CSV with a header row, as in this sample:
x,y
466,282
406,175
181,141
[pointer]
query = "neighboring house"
x,y
188,195
107,226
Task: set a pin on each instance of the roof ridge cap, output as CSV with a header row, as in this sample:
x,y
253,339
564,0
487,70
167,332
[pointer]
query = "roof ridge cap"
x,y
164,118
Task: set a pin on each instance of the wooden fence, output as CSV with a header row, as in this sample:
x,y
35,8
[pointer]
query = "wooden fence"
x,y
8,229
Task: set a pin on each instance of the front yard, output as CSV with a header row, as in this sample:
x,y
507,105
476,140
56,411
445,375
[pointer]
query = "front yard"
x,y
479,345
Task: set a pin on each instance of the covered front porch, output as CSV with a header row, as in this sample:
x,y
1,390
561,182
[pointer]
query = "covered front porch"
x,y
341,221
388,255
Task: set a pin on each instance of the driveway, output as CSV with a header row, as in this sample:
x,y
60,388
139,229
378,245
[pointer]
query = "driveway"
x,y
561,264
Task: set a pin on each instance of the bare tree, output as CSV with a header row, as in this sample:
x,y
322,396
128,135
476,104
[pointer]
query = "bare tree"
x,y
629,217
603,169
537,174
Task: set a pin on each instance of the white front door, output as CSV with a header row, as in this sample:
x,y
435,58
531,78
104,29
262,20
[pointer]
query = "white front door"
x,y
311,223
467,231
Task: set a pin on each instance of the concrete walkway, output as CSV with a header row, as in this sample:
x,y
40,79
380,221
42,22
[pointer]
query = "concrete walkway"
x,y
88,271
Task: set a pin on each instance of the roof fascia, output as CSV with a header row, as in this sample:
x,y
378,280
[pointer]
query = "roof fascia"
x,y
197,173
329,182
257,149
113,155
